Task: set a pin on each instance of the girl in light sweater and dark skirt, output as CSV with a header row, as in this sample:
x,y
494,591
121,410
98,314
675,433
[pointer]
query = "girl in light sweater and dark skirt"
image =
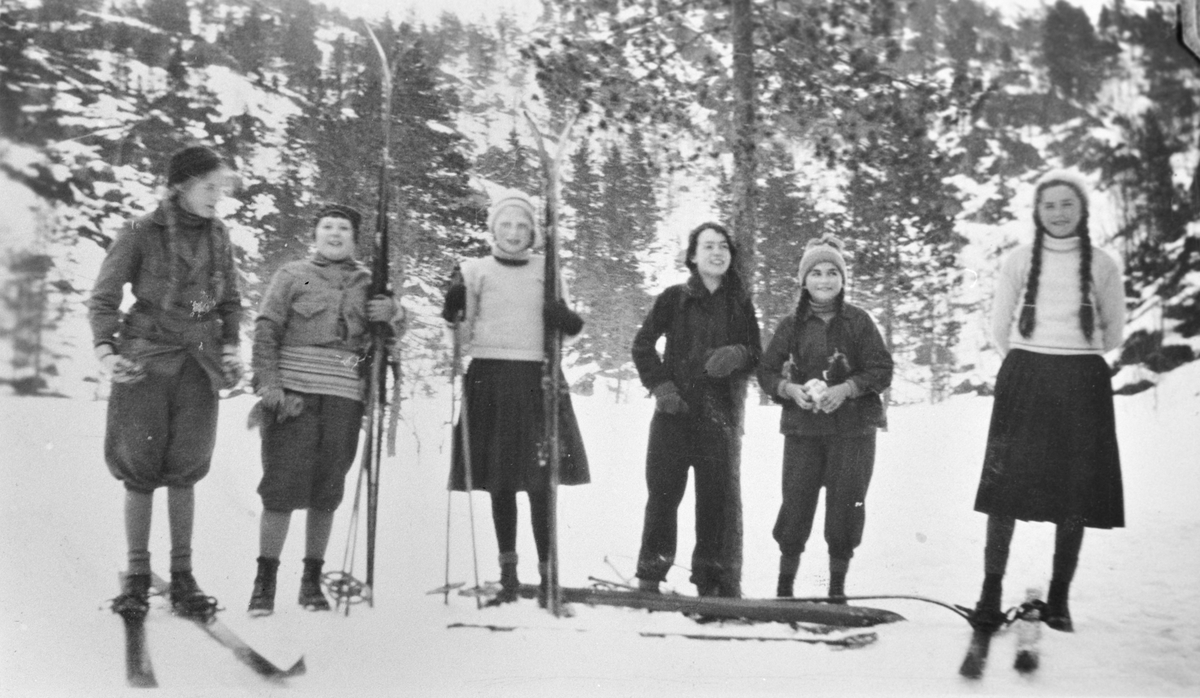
x,y
1052,444
497,306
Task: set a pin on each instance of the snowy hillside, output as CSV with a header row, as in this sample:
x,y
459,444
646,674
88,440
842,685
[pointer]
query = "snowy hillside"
x,y
1136,603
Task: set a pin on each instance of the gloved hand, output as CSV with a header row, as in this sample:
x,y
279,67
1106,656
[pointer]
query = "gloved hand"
x,y
118,368
834,397
558,316
798,394
725,360
283,404
667,399
231,365
382,308
455,304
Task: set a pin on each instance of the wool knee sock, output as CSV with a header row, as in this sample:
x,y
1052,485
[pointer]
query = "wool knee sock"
x,y
272,533
317,529
181,514
139,507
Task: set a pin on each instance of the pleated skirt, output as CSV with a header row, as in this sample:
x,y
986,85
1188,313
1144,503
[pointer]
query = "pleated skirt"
x,y
504,412
1052,444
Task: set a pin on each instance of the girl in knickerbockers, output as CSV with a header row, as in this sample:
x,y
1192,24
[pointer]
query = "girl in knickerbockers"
x,y
311,331
699,385
498,306
1052,444
827,365
167,357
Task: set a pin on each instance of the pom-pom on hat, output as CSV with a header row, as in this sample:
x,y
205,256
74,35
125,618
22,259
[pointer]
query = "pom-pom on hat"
x,y
340,211
192,161
827,248
520,201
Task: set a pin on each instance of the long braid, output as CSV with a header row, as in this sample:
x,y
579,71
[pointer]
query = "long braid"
x,y
1087,312
1028,318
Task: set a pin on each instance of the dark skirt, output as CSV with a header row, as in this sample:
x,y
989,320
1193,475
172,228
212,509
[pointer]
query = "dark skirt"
x,y
504,409
1052,445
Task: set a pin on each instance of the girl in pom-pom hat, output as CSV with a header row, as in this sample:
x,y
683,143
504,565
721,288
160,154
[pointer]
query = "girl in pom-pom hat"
x,y
827,365
497,306
309,340
167,357
1052,444
699,385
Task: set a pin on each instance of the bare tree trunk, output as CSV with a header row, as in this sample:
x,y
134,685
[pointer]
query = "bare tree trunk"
x,y
745,157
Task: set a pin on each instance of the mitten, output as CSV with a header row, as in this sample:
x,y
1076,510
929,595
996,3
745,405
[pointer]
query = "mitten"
x,y
558,316
455,305
382,308
119,368
231,366
725,360
667,399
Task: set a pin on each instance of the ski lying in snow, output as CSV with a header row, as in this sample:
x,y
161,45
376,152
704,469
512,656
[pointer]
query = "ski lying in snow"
x,y
139,673
227,638
850,641
765,610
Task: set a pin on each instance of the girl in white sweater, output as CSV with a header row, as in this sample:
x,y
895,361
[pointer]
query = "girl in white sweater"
x,y
497,305
1052,444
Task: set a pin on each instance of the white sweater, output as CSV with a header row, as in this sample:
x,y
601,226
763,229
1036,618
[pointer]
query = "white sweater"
x,y
504,309
1057,329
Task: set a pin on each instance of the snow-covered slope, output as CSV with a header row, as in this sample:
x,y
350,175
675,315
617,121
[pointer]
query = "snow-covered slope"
x,y
1136,601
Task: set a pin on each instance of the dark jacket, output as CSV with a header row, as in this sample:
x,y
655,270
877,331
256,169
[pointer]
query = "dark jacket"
x,y
695,322
847,348
189,308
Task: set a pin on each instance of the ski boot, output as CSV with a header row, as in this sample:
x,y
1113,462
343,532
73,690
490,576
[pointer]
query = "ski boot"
x,y
262,599
987,615
510,586
311,596
789,565
837,579
1058,613
187,600
134,601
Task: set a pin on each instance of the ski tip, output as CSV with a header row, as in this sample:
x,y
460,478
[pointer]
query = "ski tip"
x,y
298,669
445,589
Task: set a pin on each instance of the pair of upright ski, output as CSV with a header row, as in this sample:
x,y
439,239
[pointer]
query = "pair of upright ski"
x,y
139,671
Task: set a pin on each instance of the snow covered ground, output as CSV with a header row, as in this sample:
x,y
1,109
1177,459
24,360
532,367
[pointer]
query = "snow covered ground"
x,y
1136,600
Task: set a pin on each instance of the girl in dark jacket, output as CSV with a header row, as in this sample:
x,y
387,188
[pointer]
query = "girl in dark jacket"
x,y
699,384
310,335
498,308
167,358
1052,443
827,365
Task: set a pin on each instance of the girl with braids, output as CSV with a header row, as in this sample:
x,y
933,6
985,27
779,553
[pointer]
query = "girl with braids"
x,y
699,386
827,365
167,356
1052,444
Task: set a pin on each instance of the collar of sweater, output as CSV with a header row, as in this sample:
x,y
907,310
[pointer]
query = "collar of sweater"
x,y
321,260
1054,244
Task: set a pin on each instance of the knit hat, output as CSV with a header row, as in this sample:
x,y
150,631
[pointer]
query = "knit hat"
x,y
1069,176
520,201
340,211
192,161
827,248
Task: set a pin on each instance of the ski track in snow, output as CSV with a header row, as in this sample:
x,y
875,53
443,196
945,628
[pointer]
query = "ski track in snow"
x,y
1135,601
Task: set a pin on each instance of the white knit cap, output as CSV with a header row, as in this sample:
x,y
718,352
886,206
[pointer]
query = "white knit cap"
x,y
1067,176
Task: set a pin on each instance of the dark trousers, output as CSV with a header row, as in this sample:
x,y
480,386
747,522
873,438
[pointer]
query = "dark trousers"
x,y
504,516
305,459
679,443
162,429
843,466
